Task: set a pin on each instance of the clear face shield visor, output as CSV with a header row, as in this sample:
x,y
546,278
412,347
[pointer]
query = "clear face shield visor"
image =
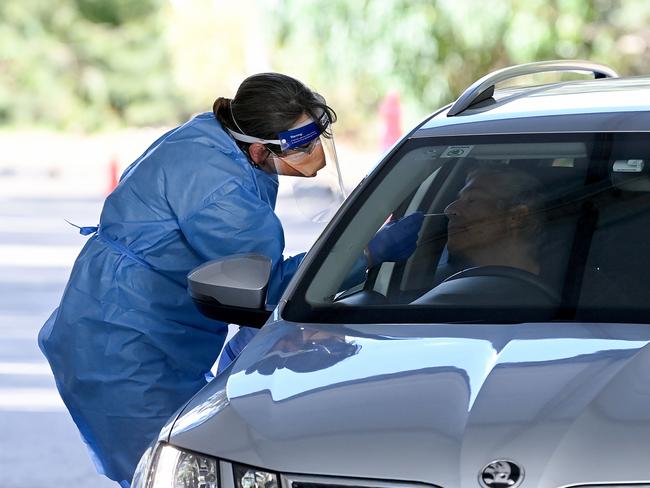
x,y
320,194
307,154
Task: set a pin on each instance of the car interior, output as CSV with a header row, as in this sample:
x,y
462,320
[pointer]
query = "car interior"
x,y
592,247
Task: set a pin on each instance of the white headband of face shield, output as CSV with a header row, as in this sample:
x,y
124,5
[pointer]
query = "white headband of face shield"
x,y
291,138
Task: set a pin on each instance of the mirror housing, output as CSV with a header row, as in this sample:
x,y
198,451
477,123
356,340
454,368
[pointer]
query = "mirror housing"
x,y
233,289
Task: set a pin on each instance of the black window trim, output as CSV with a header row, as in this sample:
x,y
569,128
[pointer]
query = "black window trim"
x,y
296,309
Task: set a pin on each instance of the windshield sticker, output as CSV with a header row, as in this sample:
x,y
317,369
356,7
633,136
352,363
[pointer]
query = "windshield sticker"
x,y
457,152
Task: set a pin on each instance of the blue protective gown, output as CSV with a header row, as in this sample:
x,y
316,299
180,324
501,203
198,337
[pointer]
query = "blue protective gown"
x,y
127,345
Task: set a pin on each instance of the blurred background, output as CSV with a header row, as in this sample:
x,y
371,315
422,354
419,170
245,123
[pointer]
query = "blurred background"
x,y
87,85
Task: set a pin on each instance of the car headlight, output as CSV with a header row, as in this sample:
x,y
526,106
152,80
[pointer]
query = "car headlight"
x,y
249,477
177,468
172,467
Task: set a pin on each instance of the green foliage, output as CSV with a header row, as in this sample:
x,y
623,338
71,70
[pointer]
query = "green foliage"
x,y
116,12
91,64
83,64
430,51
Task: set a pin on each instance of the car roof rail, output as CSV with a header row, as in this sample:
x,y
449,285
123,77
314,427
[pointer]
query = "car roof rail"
x,y
483,88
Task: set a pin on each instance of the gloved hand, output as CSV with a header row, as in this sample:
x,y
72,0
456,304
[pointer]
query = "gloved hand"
x,y
395,241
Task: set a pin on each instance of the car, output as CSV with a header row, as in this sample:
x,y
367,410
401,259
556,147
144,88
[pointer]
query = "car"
x,y
509,350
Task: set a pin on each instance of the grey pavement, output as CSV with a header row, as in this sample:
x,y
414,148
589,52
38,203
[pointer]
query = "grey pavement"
x,y
39,445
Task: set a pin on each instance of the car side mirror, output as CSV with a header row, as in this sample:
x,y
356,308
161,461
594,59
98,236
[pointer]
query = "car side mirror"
x,y
233,289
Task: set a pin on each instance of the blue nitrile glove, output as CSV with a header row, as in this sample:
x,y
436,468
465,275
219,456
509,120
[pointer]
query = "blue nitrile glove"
x,y
395,241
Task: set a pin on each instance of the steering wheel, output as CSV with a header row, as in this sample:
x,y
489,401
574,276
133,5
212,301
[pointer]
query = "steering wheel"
x,y
525,277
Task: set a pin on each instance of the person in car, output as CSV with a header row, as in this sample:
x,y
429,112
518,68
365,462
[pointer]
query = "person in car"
x,y
494,221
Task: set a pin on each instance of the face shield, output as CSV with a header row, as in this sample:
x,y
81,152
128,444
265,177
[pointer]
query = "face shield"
x,y
310,151
307,155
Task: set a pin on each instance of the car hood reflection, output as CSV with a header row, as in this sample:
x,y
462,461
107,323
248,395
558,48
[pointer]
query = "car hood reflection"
x,y
444,400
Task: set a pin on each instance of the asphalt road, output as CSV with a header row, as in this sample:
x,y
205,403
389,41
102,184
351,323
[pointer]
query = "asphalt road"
x,y
39,444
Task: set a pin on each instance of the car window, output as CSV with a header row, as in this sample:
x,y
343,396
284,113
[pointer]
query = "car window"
x,y
514,228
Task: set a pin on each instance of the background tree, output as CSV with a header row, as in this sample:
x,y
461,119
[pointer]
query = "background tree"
x,y
430,51
96,64
84,64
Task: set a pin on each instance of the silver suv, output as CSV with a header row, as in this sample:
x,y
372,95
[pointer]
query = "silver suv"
x,y
510,349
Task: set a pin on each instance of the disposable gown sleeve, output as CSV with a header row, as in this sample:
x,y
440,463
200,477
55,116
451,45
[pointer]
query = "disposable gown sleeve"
x,y
234,220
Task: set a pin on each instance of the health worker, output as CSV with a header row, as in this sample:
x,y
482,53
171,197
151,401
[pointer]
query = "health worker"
x,y
126,345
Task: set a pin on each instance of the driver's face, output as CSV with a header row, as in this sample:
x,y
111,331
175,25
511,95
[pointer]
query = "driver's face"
x,y
477,217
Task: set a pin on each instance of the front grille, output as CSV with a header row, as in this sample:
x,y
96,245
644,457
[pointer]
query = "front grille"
x,y
612,485
299,484
299,481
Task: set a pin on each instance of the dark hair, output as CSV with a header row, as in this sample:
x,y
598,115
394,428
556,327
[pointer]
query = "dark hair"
x,y
268,103
516,186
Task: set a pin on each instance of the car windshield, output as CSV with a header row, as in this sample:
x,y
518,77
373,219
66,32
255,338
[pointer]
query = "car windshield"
x,y
515,228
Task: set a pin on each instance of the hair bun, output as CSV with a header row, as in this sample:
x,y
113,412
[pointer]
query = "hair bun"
x,y
221,107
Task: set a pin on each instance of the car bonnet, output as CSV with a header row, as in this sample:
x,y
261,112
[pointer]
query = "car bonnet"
x,y
433,403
